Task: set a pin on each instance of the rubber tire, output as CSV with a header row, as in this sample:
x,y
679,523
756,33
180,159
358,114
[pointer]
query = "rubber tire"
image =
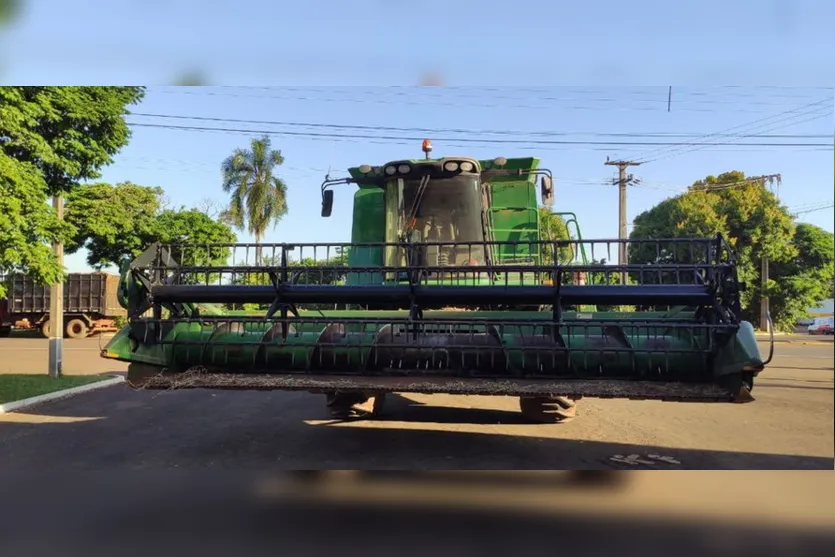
x,y
548,410
76,328
45,329
5,332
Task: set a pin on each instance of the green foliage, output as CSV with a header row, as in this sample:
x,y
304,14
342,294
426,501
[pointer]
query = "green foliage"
x,y
751,219
301,273
257,196
69,133
118,222
112,221
27,223
50,139
803,280
553,227
8,10
191,226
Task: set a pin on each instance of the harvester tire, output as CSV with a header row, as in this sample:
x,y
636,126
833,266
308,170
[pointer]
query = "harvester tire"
x,y
548,409
344,406
76,328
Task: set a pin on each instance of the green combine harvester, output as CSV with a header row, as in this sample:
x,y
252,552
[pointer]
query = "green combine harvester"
x,y
450,284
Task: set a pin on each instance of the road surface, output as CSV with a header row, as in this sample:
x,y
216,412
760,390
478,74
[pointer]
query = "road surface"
x,y
790,426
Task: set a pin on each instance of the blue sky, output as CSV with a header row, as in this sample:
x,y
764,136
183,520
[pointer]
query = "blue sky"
x,y
589,47
374,42
186,163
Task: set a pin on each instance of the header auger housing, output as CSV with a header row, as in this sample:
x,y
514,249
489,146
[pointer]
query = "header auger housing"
x,y
442,291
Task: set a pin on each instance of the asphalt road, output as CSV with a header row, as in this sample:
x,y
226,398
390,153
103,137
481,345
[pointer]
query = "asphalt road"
x,y
789,426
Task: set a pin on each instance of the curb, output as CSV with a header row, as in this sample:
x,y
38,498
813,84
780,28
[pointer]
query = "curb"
x,y
811,340
65,393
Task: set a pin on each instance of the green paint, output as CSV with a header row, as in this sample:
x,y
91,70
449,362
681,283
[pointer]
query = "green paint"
x,y
369,225
590,344
592,351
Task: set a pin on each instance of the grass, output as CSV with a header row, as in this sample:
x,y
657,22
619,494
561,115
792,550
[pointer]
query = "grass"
x,y
19,386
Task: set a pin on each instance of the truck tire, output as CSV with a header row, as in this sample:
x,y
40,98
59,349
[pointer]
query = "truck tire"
x,y
76,328
45,329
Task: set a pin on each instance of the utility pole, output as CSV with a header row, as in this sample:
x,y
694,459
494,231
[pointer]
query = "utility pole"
x,y
765,308
56,304
765,326
623,180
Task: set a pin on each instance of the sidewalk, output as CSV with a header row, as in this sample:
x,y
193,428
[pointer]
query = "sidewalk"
x,y
796,338
80,357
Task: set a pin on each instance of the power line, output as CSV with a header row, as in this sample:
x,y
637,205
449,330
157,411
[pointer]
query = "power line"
x,y
812,208
653,95
332,135
819,104
782,125
710,187
458,130
373,97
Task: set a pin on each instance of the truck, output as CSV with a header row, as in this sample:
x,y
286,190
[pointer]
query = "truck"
x,y
451,283
5,324
91,304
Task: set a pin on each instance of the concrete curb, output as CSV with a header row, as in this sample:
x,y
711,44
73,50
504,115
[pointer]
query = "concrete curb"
x,y
812,341
26,402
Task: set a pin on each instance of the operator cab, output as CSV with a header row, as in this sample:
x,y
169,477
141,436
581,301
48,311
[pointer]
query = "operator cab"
x,y
440,207
436,211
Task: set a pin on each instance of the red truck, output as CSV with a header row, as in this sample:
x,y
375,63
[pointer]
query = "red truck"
x,y
90,305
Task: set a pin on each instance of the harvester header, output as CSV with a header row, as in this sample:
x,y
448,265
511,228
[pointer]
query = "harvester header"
x,y
450,284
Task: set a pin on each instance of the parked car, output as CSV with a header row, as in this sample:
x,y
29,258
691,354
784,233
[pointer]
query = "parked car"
x,y
822,326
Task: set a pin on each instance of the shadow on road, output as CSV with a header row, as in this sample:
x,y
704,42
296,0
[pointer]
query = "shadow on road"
x,y
156,430
404,409
216,514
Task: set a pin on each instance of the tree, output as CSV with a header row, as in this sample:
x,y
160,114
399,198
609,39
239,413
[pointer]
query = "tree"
x,y
553,227
51,138
204,236
257,196
27,223
118,222
69,133
804,280
751,219
112,221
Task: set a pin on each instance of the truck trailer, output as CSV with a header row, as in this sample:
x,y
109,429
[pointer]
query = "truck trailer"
x,y
91,305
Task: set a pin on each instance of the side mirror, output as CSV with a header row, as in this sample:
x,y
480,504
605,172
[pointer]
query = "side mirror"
x,y
547,191
327,203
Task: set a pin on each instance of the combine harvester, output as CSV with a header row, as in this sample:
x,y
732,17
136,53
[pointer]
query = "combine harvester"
x,y
450,285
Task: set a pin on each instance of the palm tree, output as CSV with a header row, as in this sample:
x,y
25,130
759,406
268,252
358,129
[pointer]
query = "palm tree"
x,y
257,197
